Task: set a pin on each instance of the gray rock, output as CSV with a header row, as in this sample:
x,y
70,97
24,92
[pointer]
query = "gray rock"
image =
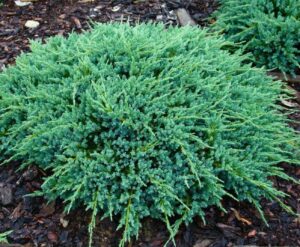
x,y
6,194
184,17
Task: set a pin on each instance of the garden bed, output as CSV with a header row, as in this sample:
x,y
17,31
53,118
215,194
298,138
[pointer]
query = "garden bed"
x,y
34,223
61,17
37,224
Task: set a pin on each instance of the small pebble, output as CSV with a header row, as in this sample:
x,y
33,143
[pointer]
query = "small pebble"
x,y
32,24
116,8
6,194
22,4
159,17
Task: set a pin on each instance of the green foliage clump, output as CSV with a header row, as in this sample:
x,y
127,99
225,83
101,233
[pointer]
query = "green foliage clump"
x,y
269,29
145,121
3,237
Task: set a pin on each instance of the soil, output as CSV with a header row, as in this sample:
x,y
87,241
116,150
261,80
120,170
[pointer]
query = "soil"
x,y
37,223
60,17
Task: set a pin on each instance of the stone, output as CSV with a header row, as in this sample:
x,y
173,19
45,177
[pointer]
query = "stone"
x,y
21,3
32,24
6,194
203,243
184,17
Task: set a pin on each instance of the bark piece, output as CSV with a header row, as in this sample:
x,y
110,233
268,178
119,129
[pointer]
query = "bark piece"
x,y
184,17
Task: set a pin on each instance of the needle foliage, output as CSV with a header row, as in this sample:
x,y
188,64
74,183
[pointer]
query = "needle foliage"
x,y
145,121
268,29
3,237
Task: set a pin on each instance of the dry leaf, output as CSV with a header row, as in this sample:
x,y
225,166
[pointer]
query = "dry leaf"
x,y
77,22
17,212
63,222
52,236
252,234
47,209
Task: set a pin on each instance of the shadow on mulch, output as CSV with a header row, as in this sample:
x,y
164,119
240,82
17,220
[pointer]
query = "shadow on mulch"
x,y
36,223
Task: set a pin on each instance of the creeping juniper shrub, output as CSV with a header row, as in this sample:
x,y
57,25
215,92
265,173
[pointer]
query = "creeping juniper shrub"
x,y
3,237
145,121
269,29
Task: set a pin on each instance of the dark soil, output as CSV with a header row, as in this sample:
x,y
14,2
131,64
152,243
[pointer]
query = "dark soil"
x,y
36,223
60,17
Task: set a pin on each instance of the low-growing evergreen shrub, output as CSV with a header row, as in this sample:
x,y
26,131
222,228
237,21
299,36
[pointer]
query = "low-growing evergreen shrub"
x,y
145,121
3,237
269,29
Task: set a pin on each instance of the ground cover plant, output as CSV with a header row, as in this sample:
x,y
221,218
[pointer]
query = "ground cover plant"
x,y
142,121
269,29
3,237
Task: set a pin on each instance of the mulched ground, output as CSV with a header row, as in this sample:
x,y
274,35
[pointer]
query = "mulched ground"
x,y
36,223
60,17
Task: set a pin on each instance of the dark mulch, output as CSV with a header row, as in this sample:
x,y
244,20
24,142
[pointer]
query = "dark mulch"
x,y
60,17
36,223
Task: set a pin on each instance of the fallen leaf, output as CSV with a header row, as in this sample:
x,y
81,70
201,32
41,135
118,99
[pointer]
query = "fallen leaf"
x,y
252,234
269,213
47,209
63,222
52,236
16,214
62,16
77,22
99,7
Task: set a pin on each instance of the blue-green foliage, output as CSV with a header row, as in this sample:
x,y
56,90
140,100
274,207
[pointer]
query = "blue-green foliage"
x,y
3,237
144,121
269,29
